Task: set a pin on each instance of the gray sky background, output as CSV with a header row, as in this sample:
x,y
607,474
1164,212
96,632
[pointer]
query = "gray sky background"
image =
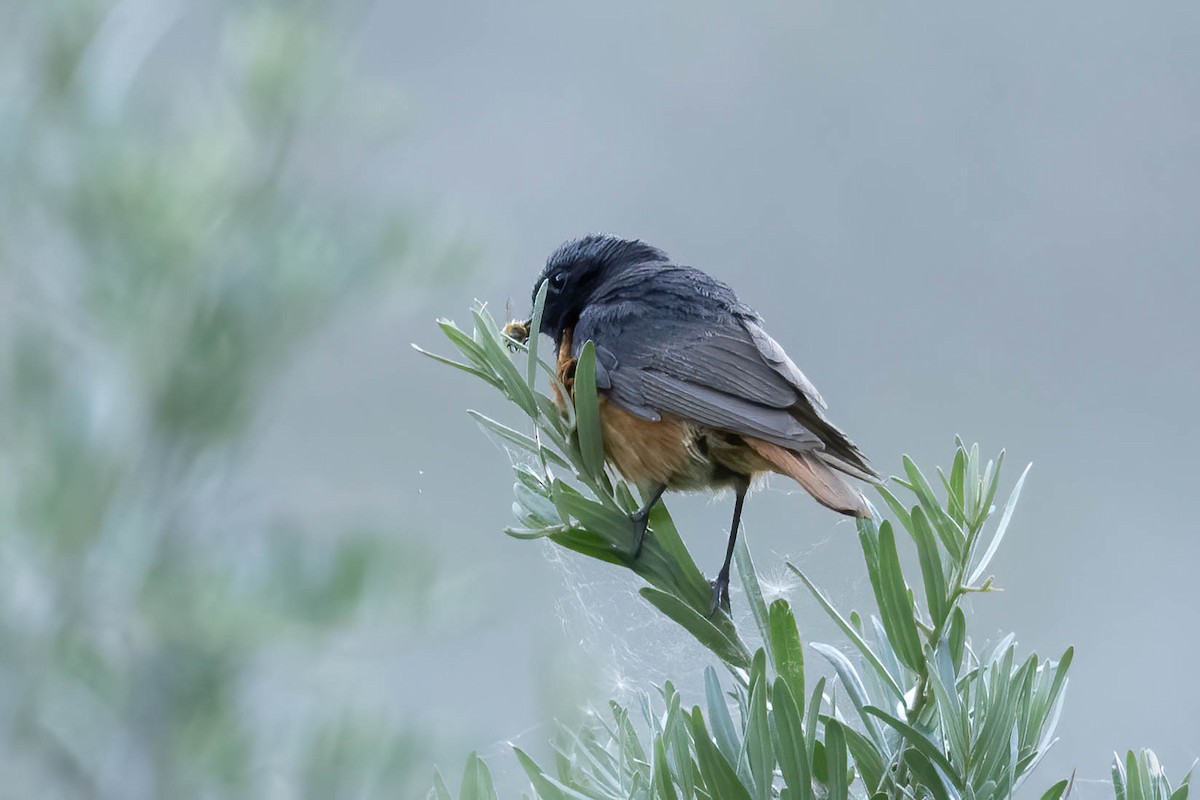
x,y
959,219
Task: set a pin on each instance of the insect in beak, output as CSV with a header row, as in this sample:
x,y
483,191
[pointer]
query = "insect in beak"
x,y
518,330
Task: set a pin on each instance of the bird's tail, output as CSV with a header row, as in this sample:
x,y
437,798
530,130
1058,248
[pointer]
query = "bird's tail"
x,y
817,477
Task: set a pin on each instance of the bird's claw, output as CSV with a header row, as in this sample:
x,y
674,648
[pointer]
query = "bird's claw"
x,y
641,524
720,595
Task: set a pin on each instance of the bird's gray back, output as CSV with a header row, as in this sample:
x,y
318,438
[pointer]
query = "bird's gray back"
x,y
675,340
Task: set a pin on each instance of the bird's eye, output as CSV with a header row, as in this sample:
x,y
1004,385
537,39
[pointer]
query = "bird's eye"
x,y
559,280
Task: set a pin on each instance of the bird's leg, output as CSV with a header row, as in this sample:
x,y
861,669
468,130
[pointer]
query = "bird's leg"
x,y
641,518
720,587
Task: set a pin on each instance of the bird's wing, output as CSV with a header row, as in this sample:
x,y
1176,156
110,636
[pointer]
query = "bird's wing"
x,y
772,352
725,373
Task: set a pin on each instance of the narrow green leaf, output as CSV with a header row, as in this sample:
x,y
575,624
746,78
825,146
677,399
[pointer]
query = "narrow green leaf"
x,y
587,410
973,487
588,752
588,543
698,590
664,785
535,330
478,373
887,654
759,752
535,508
530,534
1135,779
1151,774
477,780
854,688
992,481
627,739
1060,674
926,774
498,359
613,526
724,731
835,760
991,739
1048,723
894,603
468,347
758,669
954,718
1056,791
820,766
708,634
785,645
936,597
719,776
559,438
895,505
1001,529
561,418
991,754
532,480
1118,778
527,443
439,790
868,760
868,537
788,733
754,596
810,722
919,741
950,533
547,788
957,486
678,743
606,515
957,637
853,634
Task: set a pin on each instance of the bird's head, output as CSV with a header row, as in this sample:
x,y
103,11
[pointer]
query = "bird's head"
x,y
577,270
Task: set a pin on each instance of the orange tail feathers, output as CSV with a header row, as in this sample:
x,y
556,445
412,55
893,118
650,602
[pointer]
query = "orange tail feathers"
x,y
818,479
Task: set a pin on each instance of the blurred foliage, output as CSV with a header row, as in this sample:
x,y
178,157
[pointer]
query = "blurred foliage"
x,y
1141,777
922,711
163,251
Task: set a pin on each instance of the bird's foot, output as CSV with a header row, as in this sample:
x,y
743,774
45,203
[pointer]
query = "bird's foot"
x,y
720,594
641,523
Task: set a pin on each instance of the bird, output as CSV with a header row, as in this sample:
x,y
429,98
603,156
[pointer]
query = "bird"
x,y
694,394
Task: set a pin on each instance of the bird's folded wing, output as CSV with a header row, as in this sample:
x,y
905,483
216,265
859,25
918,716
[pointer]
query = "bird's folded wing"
x,y
670,395
714,373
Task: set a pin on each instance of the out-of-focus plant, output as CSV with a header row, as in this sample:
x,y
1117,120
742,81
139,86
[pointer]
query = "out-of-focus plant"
x,y
161,256
1141,777
922,712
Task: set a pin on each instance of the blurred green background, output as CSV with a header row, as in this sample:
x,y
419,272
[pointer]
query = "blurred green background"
x,y
249,543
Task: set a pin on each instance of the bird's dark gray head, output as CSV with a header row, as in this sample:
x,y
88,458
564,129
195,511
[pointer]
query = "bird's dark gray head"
x,y
578,268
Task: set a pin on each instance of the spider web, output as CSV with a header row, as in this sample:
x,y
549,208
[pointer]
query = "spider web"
x,y
632,649
635,648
